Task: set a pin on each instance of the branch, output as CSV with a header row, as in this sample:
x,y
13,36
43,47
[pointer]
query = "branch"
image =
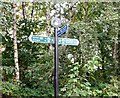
x,y
32,9
23,10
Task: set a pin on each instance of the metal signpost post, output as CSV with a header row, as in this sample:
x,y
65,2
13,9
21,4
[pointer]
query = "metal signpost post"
x,y
55,22
56,64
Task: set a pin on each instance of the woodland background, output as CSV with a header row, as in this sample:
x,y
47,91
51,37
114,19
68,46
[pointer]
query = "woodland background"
x,y
90,69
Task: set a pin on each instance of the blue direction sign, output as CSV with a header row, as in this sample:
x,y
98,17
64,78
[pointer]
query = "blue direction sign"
x,y
45,39
62,30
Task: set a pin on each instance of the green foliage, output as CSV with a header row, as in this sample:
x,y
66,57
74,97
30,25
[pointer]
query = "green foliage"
x,y
93,65
79,85
8,88
92,69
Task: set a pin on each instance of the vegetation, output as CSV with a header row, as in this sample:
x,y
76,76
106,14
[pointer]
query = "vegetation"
x,y
89,69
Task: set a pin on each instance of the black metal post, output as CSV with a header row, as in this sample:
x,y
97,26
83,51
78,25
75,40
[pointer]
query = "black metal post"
x,y
55,63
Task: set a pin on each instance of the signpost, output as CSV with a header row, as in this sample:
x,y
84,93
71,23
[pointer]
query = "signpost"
x,y
55,22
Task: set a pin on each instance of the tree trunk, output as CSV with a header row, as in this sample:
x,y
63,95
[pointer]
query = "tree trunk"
x,y
23,10
15,43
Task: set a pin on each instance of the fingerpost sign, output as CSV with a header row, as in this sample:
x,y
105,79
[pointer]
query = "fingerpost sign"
x,y
55,22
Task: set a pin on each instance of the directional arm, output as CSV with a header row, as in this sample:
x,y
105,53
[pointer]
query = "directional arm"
x,y
44,39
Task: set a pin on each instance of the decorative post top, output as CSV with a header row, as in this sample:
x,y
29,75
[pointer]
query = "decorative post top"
x,y
56,22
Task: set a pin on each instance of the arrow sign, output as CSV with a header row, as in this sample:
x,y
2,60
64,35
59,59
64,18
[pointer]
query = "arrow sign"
x,y
68,41
62,30
45,39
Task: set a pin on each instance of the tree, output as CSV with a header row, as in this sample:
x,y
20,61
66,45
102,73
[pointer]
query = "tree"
x,y
15,43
